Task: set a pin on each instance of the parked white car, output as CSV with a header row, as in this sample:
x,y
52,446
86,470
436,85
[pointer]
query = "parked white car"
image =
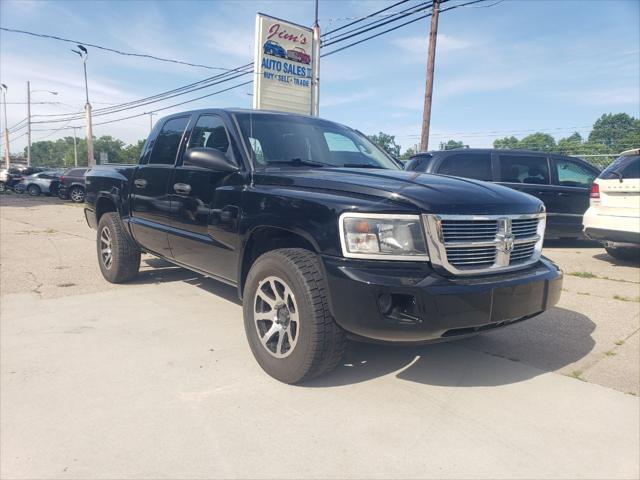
x,y
613,217
43,182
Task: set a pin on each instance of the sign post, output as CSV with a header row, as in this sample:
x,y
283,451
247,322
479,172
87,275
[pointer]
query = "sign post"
x,y
285,61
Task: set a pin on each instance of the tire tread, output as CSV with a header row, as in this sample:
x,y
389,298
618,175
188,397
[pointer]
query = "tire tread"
x,y
126,254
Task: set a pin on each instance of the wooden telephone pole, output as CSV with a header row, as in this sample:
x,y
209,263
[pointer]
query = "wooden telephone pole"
x,y
428,91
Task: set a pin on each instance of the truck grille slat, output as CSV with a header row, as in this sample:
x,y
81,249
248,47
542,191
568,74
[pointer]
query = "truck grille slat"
x,y
469,244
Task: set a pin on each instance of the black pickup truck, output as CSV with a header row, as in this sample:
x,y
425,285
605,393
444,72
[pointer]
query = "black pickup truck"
x,y
324,235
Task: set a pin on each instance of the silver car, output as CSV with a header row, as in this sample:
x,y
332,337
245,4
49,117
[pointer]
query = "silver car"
x,y
43,182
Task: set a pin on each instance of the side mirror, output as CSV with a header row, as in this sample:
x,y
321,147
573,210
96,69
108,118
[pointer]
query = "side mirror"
x,y
209,158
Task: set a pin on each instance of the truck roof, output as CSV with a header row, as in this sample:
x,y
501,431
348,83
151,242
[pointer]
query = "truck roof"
x,y
237,110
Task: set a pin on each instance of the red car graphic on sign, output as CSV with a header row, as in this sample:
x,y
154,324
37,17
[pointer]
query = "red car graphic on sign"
x,y
299,55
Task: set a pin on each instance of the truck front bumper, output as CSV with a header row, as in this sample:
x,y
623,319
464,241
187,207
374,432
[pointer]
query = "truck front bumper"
x,y
412,303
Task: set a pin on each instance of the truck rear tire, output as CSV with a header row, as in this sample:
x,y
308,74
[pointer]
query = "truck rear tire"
x,y
286,316
118,255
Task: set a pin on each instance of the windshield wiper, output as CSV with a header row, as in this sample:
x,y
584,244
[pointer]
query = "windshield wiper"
x,y
361,165
300,161
617,174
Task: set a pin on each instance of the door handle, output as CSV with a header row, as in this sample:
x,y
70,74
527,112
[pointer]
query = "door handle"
x,y
562,194
182,188
544,193
140,183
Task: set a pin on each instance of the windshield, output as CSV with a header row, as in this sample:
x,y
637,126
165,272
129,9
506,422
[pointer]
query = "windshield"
x,y
277,139
627,166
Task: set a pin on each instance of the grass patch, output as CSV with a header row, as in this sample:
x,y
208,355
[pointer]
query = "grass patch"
x,y
584,293
626,299
577,374
50,230
619,342
610,353
583,274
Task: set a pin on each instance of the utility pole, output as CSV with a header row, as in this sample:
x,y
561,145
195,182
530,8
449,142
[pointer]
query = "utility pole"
x,y
151,114
91,161
75,147
28,124
7,160
428,91
29,92
315,80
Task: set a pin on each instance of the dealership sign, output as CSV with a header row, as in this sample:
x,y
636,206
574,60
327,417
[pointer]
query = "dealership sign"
x,y
283,66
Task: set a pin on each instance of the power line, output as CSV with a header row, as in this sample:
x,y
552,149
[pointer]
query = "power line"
x,y
210,81
100,113
364,18
113,50
242,70
379,23
398,26
163,108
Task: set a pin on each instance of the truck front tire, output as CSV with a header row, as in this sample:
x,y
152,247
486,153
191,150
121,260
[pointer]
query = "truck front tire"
x,y
286,316
118,255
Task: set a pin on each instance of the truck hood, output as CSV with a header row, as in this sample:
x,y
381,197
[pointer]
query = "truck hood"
x,y
427,192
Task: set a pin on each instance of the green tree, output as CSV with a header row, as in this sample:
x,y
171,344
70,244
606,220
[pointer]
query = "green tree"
x,y
110,146
131,153
451,144
616,131
387,142
408,153
538,141
506,142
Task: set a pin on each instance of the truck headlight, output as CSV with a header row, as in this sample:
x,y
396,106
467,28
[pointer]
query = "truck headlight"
x,y
382,236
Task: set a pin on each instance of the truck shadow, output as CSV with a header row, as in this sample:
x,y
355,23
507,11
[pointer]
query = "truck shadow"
x,y
546,343
161,271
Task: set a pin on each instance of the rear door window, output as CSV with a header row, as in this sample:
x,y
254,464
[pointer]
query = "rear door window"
x,y
524,169
572,174
166,145
468,165
627,166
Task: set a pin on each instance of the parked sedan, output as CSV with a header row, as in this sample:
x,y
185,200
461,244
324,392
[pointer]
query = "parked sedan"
x,y
562,183
45,182
72,185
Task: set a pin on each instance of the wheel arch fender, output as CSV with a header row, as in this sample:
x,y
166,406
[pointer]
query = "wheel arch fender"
x,y
106,203
264,238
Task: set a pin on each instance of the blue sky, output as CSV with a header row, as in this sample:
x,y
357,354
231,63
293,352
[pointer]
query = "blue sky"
x,y
517,67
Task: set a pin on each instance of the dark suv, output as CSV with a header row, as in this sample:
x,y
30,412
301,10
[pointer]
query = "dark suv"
x,y
561,182
72,185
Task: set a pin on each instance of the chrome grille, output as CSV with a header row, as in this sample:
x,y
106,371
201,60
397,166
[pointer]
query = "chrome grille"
x,y
471,256
464,230
524,227
467,245
522,252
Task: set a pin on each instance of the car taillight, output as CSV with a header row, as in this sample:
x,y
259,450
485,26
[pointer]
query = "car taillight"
x,y
594,194
62,178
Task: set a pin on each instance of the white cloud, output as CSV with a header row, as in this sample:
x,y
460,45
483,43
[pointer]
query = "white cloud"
x,y
417,45
336,100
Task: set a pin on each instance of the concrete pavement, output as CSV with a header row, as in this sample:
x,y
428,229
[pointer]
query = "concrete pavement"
x,y
155,380
161,384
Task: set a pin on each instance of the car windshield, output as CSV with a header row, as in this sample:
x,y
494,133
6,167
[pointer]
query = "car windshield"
x,y
277,139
